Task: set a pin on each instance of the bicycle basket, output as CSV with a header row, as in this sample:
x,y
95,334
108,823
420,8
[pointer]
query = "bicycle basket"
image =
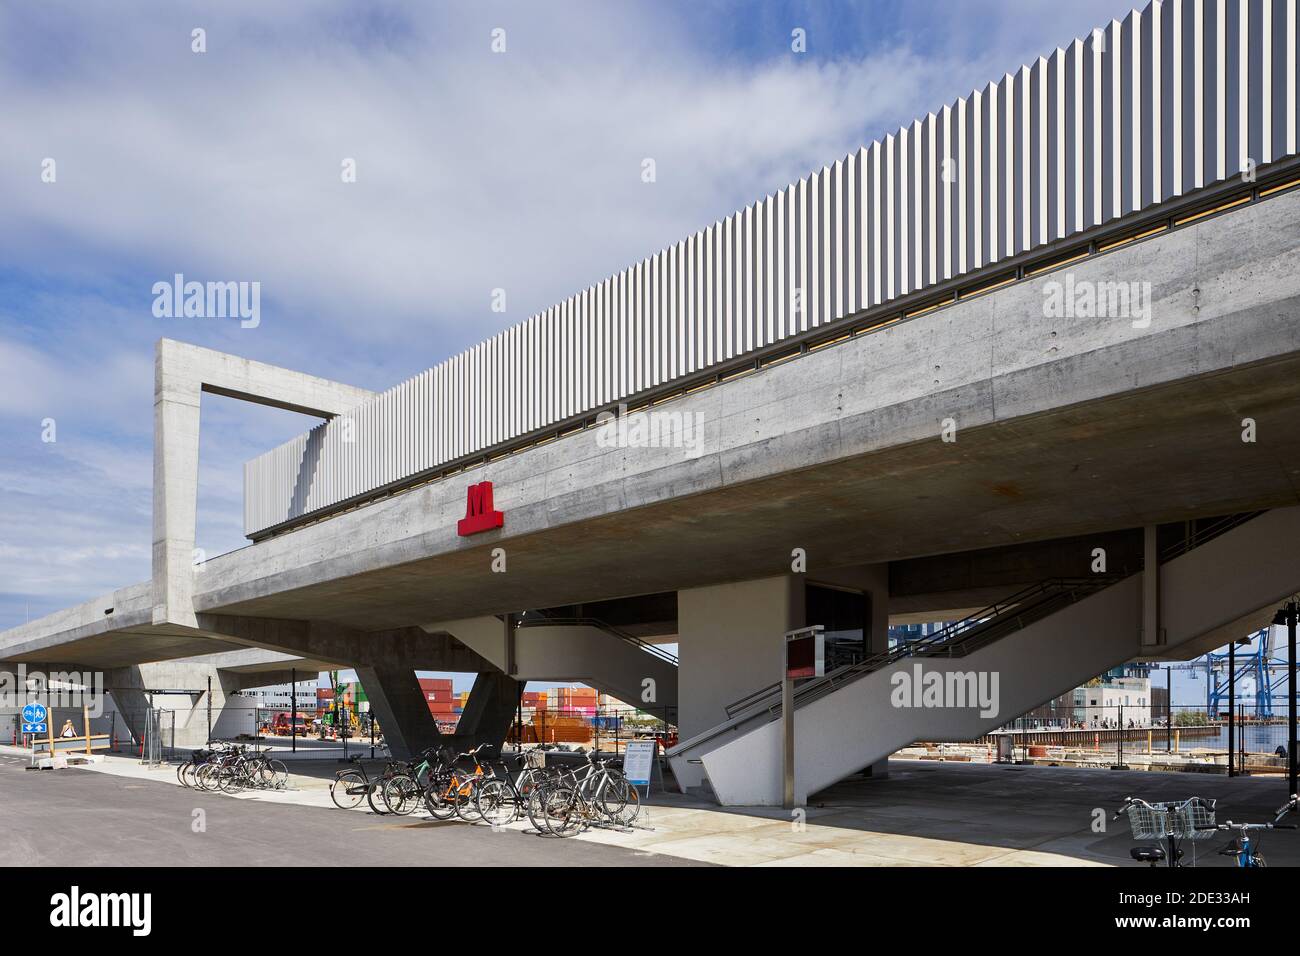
x,y
1184,820
535,759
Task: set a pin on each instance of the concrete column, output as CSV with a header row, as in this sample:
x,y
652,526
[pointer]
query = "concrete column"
x,y
175,494
731,643
1151,631
491,707
400,706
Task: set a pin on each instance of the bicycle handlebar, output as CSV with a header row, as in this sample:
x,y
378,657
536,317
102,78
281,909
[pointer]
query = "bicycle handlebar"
x,y
1129,801
1286,808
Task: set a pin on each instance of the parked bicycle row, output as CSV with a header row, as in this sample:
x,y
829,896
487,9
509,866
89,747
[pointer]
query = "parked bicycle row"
x,y
1194,819
558,801
230,767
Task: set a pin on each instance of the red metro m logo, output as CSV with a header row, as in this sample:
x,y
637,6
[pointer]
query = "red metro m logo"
x,y
479,513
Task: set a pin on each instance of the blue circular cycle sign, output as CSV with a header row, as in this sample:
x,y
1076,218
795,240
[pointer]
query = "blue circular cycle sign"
x,y
34,713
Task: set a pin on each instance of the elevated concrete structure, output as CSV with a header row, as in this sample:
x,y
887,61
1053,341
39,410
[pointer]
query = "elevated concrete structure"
x,y
961,401
1068,426
1065,426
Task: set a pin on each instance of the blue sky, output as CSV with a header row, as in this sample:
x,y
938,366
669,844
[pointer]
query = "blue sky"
x,y
475,171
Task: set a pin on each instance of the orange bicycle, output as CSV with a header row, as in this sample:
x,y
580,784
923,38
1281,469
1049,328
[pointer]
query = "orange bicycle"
x,y
453,791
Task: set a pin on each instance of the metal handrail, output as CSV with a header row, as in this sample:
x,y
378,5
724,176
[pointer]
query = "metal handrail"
x,y
653,650
945,638
1201,536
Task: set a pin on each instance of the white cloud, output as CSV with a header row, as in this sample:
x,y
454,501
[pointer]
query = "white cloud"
x,y
476,171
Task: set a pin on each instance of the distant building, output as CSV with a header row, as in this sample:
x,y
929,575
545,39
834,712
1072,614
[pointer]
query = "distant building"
x,y
280,696
1099,705
1120,702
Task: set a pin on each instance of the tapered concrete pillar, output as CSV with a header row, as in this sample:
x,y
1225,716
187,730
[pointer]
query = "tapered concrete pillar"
x,y
399,704
490,709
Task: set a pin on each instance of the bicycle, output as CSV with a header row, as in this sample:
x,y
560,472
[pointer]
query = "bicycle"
x,y
353,784
1242,848
252,771
208,775
187,770
602,796
1172,821
498,799
403,789
452,792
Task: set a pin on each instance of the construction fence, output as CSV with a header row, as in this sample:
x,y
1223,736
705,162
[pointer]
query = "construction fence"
x,y
147,734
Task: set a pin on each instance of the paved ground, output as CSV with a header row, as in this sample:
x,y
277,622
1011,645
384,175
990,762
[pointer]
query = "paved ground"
x,y
924,814
953,814
76,817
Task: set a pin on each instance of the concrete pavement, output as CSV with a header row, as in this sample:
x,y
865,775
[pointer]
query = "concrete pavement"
x,y
922,814
119,818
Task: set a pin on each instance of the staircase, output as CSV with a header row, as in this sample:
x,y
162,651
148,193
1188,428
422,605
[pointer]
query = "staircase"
x,y
1032,646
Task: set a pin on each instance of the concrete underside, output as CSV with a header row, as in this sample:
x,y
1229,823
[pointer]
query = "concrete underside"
x,y
1067,426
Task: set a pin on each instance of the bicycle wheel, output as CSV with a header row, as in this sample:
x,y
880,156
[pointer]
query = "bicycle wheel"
x,y
252,775
206,777
497,802
348,789
438,804
180,772
560,811
192,775
275,775
401,794
232,779
620,801
465,800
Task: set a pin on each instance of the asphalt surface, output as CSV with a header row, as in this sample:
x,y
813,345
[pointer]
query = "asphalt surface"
x,y
80,818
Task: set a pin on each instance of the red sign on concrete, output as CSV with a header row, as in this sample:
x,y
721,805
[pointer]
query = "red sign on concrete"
x,y
479,513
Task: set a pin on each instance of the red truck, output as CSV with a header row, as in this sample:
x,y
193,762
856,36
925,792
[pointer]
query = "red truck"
x,y
281,727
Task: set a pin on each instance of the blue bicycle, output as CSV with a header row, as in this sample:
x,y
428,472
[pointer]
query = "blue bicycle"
x,y
1246,850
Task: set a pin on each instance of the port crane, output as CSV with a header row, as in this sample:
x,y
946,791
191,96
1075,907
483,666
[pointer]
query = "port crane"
x,y
1254,658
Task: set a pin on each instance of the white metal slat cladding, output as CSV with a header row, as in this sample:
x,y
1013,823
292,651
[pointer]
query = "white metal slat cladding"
x,y
1176,97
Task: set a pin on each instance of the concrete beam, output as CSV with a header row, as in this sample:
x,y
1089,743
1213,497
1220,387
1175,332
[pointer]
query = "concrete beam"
x,y
181,373
336,646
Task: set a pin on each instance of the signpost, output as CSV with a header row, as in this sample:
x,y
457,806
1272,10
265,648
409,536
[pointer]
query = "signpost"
x,y
35,717
638,762
805,656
